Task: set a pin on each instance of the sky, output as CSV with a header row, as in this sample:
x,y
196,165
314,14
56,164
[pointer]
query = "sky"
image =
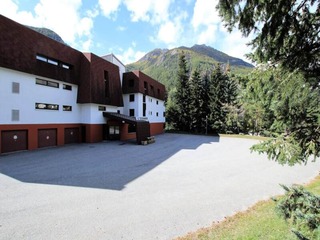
x,y
129,28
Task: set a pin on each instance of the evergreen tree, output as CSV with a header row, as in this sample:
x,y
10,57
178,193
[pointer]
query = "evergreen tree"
x,y
287,31
183,96
199,109
287,36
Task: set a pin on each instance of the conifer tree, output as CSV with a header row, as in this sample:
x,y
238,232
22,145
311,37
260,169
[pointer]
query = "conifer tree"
x,y
183,96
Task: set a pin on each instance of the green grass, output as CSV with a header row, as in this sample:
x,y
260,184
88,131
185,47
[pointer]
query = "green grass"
x,y
258,222
244,136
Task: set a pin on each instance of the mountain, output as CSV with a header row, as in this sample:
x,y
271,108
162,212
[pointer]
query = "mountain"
x,y
220,56
162,64
49,33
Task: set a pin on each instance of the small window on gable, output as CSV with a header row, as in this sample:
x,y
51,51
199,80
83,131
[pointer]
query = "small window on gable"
x,y
131,97
131,83
15,87
102,108
67,87
67,108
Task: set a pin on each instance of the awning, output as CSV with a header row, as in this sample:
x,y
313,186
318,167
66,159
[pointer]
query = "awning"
x,y
142,126
122,117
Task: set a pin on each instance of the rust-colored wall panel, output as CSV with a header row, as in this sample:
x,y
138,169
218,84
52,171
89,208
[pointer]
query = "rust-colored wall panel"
x,y
16,140
71,135
156,128
32,129
47,137
139,78
19,46
124,135
94,133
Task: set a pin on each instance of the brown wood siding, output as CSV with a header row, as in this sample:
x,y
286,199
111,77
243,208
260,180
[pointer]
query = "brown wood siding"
x,y
139,79
47,137
71,135
92,83
19,46
14,140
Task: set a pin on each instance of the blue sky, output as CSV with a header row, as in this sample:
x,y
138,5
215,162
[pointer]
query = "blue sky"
x,y
129,28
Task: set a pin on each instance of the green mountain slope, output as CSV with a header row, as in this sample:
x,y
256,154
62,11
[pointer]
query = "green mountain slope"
x,y
162,64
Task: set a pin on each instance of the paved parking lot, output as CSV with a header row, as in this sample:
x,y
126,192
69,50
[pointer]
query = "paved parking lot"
x,y
115,190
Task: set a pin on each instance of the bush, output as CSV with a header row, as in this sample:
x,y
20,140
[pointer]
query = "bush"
x,y
301,209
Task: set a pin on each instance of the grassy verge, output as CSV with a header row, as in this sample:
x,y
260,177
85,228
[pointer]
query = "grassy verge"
x,y
244,136
258,222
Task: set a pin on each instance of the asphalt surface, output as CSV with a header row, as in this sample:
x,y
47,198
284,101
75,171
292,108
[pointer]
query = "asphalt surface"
x,y
115,190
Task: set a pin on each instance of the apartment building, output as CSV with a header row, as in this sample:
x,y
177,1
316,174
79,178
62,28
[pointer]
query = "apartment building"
x,y
52,94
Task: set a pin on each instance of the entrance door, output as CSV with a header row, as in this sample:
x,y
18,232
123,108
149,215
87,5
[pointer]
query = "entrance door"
x,y
114,132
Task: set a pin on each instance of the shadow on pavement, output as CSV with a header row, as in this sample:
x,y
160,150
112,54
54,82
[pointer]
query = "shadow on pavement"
x,y
107,165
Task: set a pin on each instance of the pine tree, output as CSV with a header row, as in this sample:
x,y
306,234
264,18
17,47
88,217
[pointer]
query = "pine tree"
x,y
199,109
183,96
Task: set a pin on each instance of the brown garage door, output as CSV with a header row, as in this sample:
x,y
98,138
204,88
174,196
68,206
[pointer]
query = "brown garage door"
x,y
71,135
14,141
47,137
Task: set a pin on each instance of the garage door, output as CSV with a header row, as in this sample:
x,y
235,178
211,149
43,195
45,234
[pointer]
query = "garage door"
x,y
71,135
47,137
14,141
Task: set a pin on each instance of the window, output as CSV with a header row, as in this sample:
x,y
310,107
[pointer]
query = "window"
x,y
145,84
114,130
152,89
144,109
131,97
15,87
131,128
164,114
102,108
67,108
106,84
47,106
43,58
157,114
131,83
67,87
63,65
157,102
131,112
144,98
47,83
15,115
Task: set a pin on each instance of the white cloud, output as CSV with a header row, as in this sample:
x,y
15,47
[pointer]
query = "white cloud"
x,y
170,31
234,43
153,11
208,36
130,55
109,7
205,13
61,16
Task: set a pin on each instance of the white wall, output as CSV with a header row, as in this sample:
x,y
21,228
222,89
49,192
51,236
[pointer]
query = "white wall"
x,y
122,69
31,93
90,113
152,108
